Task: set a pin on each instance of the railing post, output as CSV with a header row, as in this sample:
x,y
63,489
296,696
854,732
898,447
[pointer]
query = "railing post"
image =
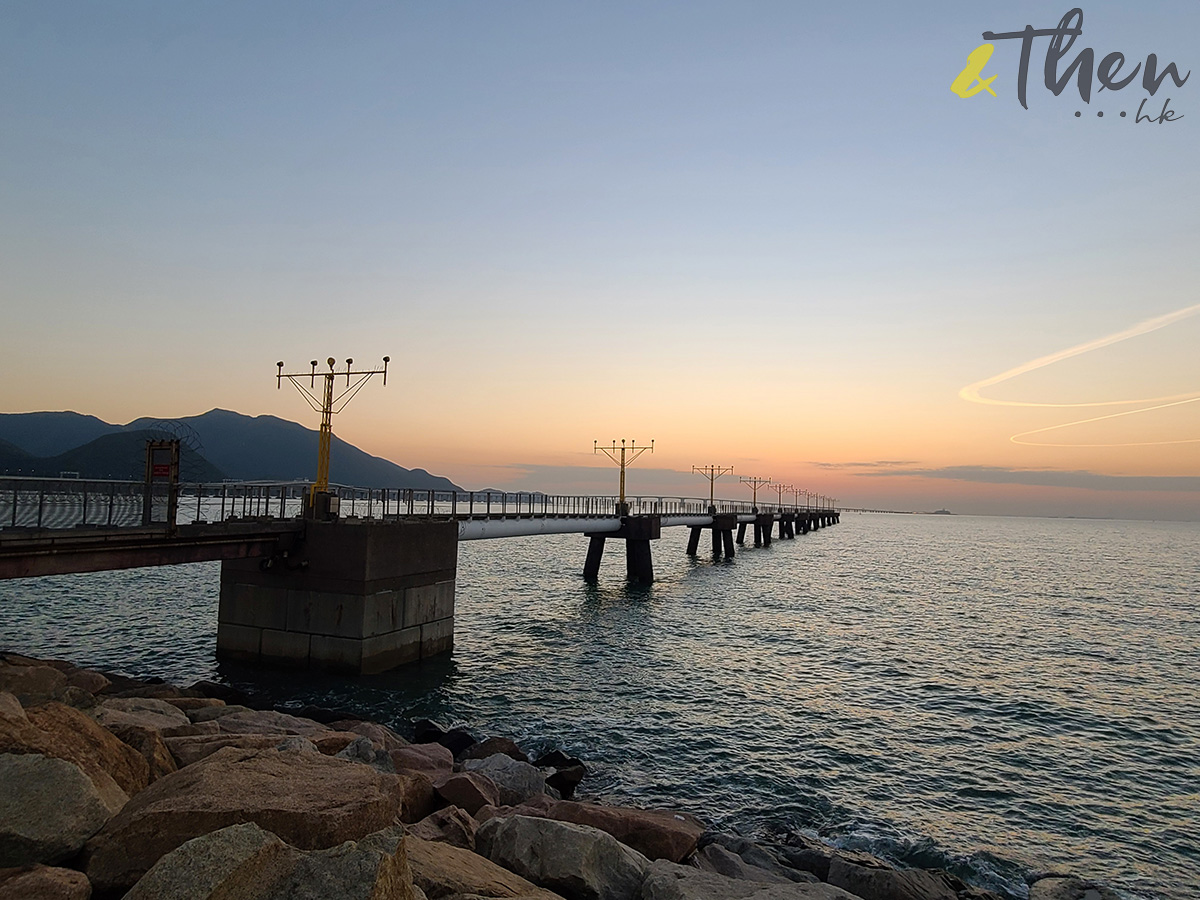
x,y
471,507
41,503
454,505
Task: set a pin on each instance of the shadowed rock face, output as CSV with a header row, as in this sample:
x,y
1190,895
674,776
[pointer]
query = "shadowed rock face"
x,y
44,883
309,800
48,808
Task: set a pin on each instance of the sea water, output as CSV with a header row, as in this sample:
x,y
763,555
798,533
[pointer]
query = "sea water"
x,y
996,696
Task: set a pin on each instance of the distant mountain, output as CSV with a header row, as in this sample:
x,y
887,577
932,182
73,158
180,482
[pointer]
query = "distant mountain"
x,y
242,448
51,433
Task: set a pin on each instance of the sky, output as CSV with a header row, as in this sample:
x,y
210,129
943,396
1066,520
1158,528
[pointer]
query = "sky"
x,y
766,235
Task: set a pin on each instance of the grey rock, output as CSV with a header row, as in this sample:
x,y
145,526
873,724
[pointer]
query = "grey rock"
x,y
48,809
879,882
146,712
244,857
245,861
577,861
671,881
752,855
363,750
267,721
1069,887
716,859
807,855
517,781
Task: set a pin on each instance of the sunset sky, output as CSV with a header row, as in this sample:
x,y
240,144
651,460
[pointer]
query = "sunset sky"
x,y
764,234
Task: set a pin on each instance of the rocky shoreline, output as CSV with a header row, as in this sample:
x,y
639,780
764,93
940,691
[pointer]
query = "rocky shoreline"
x,y
116,787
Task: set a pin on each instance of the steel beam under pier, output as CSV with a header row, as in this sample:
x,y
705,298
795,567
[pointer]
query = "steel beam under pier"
x,y
637,532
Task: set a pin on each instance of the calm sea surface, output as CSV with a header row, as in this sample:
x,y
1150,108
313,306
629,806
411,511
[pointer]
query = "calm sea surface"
x,y
995,696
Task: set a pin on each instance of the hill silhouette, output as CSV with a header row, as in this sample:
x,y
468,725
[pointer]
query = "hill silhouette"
x,y
231,445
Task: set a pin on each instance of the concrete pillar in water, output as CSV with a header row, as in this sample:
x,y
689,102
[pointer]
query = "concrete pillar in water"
x,y
716,542
591,567
694,540
765,523
741,538
727,534
359,597
638,564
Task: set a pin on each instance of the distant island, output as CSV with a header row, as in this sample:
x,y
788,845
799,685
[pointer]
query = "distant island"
x,y
941,512
215,446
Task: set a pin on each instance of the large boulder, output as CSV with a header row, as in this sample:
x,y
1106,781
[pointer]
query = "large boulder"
x,y
244,861
193,748
671,881
442,870
875,880
655,833
48,808
1069,887
309,800
579,862
727,853
491,747
147,712
450,825
517,781
32,684
44,883
75,736
380,734
432,759
807,855
267,721
469,791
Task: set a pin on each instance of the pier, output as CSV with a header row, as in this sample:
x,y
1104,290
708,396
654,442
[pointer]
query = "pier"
x,y
364,586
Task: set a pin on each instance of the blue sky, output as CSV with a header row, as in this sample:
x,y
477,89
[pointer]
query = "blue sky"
x,y
594,218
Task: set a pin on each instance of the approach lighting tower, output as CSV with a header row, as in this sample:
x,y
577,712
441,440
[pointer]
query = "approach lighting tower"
x,y
329,404
712,473
619,456
780,489
755,483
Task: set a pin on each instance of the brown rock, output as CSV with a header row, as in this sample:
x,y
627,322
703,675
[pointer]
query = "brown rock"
x,y
60,732
418,793
208,713
267,721
309,800
148,712
655,833
32,685
43,883
73,735
538,806
87,680
449,826
468,790
185,704
492,746
188,750
442,870
150,746
191,729
380,734
432,759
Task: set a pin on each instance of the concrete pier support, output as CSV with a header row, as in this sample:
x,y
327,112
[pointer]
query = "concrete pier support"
x,y
353,597
638,532
591,566
741,538
694,540
762,529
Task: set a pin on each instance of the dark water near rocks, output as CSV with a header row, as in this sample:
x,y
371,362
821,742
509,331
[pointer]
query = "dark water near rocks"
x,y
995,696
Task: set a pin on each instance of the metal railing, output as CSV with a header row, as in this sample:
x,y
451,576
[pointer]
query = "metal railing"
x,y
73,503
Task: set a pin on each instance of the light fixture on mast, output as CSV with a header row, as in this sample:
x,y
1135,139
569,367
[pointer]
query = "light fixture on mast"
x,y
619,456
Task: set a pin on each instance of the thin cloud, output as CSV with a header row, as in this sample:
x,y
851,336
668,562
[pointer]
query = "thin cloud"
x,y
1080,479
877,464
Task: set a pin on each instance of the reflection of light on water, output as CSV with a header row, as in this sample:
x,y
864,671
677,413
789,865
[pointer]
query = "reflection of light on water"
x,y
990,695
1147,404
